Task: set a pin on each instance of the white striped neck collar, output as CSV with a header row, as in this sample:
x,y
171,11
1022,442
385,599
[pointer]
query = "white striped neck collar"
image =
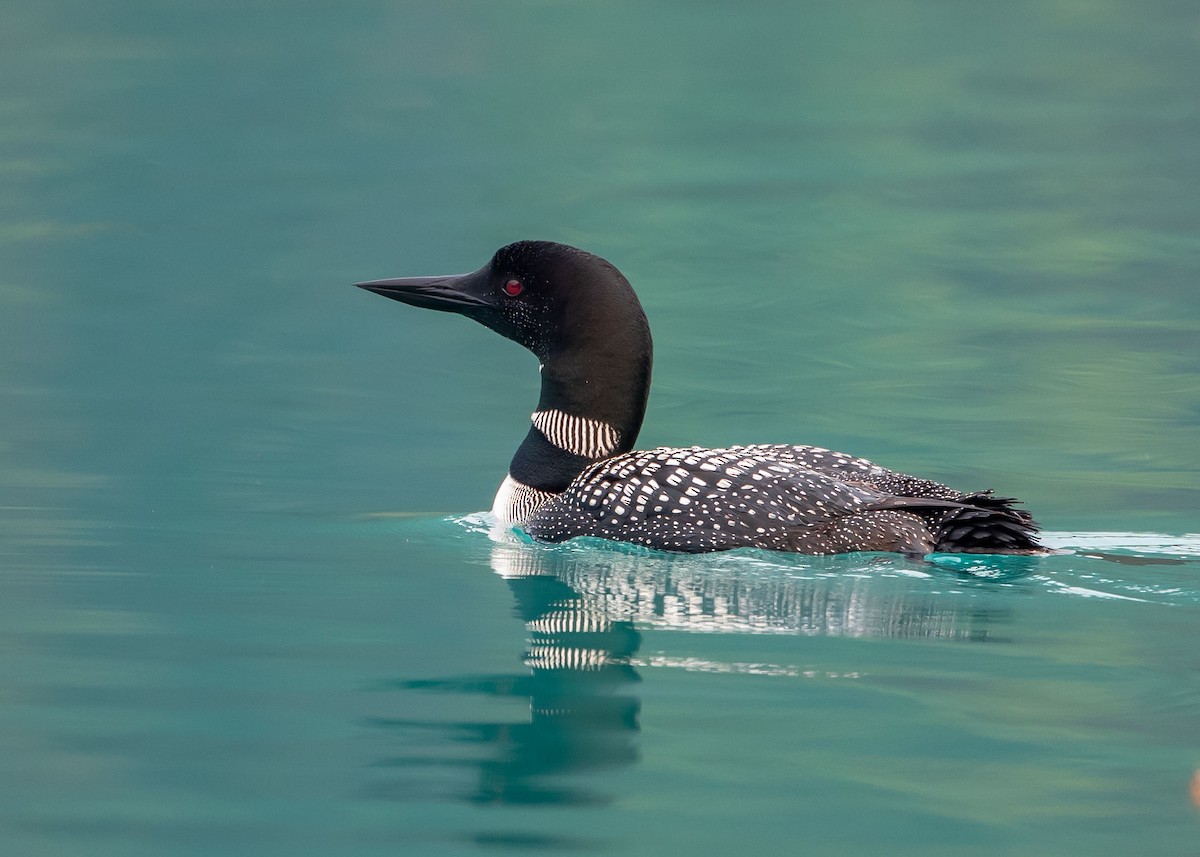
x,y
577,435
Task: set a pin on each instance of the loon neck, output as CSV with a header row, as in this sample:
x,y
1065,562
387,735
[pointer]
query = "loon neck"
x,y
592,403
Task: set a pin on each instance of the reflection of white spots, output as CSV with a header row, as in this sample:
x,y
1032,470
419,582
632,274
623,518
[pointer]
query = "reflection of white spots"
x,y
1091,593
707,666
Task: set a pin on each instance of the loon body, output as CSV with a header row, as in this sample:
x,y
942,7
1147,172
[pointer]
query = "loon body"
x,y
576,474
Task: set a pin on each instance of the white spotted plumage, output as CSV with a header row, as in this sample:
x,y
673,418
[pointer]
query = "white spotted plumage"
x,y
711,499
773,496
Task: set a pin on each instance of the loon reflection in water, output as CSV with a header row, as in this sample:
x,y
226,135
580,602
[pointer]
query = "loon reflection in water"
x,y
575,474
587,613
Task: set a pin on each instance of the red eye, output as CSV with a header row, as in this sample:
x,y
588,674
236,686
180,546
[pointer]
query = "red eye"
x,y
513,288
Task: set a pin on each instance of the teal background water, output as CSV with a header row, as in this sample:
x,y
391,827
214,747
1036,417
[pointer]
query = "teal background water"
x,y
244,605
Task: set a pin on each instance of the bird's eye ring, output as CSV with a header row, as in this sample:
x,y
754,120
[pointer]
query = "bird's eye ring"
x,y
513,288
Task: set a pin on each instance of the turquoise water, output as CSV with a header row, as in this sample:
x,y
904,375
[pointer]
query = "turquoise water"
x,y
247,605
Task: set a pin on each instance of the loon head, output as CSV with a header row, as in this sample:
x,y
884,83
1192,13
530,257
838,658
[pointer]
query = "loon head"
x,y
578,314
553,299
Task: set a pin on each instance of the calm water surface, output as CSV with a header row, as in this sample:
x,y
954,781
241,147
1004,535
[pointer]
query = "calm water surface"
x,y
246,603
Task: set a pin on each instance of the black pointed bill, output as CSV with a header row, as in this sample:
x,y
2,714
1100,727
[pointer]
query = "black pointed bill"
x,y
448,293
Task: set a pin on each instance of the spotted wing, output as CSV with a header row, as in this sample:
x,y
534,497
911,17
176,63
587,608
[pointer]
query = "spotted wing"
x,y
857,471
697,499
976,522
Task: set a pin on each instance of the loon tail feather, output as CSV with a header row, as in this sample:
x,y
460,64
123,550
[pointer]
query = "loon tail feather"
x,y
985,523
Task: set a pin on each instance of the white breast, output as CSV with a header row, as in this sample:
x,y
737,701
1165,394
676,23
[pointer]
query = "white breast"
x,y
515,501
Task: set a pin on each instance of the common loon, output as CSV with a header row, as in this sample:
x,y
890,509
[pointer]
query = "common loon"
x,y
575,474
